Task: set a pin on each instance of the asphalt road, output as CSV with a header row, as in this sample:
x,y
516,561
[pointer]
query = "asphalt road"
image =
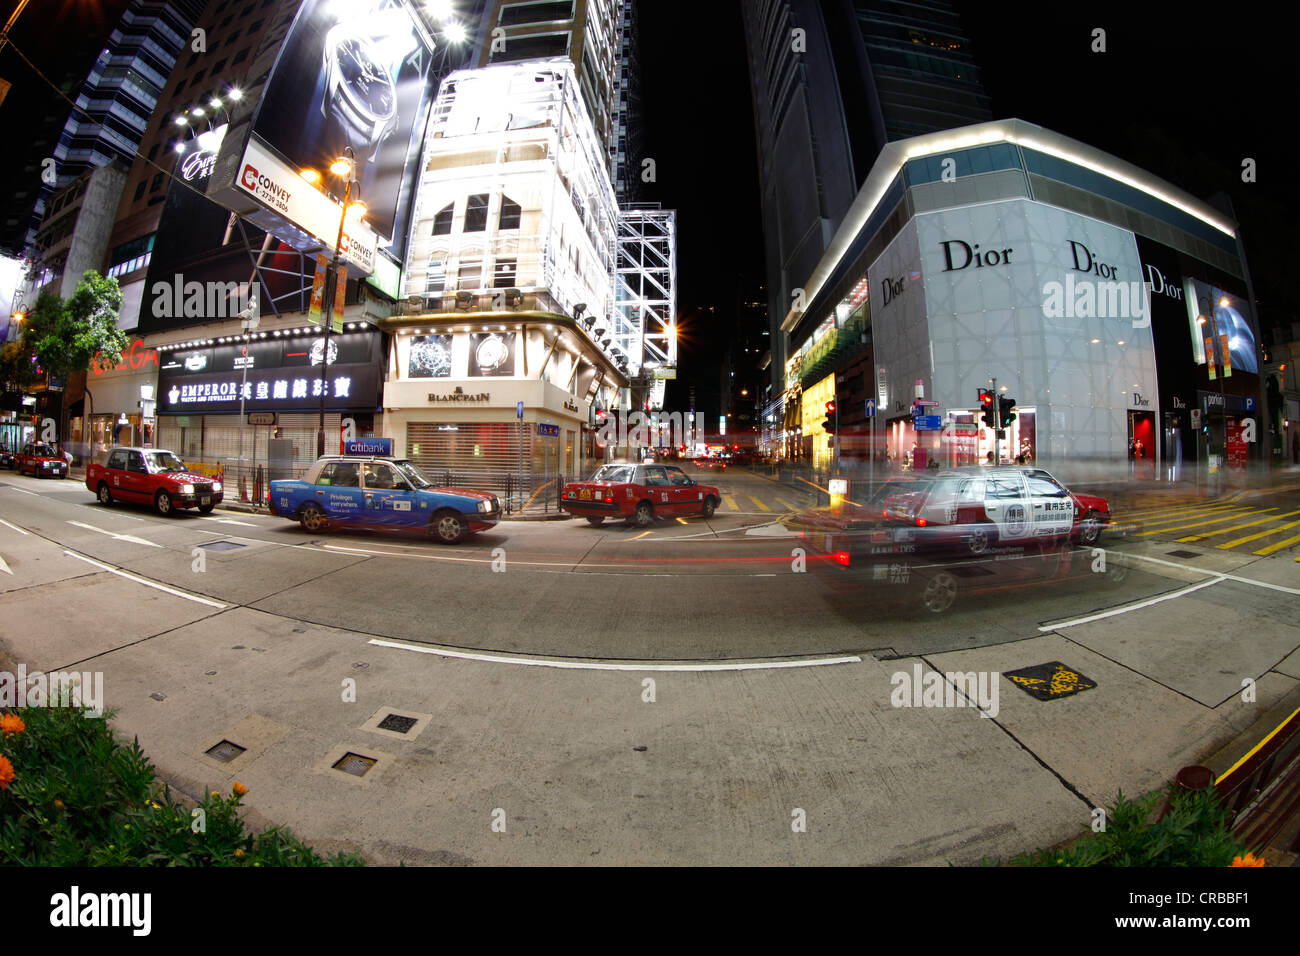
x,y
774,686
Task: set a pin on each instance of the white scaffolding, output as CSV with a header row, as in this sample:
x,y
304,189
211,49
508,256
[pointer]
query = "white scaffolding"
x,y
645,286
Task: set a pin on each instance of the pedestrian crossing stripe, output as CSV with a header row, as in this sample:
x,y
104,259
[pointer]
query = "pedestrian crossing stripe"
x,y
1198,524
759,503
731,502
1180,508
1255,537
1237,527
1278,547
786,505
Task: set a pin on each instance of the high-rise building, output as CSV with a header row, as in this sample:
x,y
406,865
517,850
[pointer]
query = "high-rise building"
x,y
833,81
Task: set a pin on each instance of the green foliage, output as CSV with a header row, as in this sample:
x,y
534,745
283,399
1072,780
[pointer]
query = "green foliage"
x,y
1195,832
66,336
80,797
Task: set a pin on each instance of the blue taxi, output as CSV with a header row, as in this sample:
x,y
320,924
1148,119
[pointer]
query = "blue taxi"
x,y
366,491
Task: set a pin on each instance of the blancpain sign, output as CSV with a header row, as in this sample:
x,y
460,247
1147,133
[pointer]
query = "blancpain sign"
x,y
270,181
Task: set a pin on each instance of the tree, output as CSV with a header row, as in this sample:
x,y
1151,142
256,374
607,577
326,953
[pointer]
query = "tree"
x,y
66,336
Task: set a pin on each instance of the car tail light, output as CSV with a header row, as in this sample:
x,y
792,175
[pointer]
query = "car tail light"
x,y
920,522
842,558
609,499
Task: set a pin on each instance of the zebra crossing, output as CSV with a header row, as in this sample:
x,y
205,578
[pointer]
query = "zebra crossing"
x,y
1224,524
760,502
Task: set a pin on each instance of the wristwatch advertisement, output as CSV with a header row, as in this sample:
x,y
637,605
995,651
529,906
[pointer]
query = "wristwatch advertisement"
x,y
491,354
353,74
430,357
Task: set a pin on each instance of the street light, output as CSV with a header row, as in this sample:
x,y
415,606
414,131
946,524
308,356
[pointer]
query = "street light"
x,y
342,167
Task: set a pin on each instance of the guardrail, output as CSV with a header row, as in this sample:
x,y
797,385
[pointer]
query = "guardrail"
x,y
1262,790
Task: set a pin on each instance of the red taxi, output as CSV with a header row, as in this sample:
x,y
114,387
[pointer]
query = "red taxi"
x,y
638,494
41,461
991,507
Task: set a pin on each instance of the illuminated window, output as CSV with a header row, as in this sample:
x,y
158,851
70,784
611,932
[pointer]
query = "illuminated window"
x,y
476,213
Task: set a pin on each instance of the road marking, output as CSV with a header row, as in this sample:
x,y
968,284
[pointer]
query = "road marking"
x,y
21,491
682,521
760,504
1279,546
14,527
119,537
1220,574
1133,607
786,505
4,567
1256,537
1237,527
1197,524
246,524
721,531
641,535
731,502
605,666
146,582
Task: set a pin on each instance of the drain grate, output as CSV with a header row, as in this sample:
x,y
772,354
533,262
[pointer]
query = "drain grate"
x,y
355,764
225,751
1182,554
221,546
398,724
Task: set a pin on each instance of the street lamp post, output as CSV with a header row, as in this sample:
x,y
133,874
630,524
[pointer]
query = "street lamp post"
x,y
343,166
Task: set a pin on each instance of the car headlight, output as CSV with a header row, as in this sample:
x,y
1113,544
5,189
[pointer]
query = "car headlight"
x,y
216,486
47,464
187,489
482,506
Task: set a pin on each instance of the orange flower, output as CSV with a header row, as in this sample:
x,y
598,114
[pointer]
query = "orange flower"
x,y
1248,860
6,772
239,789
59,804
12,724
239,854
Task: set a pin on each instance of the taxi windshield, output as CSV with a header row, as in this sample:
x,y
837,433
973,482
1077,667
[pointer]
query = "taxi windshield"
x,y
164,461
615,473
44,451
413,474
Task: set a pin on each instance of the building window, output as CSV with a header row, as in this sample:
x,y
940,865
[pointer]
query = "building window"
x,y
470,277
240,57
153,152
536,12
218,67
156,184
255,27
194,81
139,189
179,86
510,214
503,274
442,221
476,213
232,38
437,280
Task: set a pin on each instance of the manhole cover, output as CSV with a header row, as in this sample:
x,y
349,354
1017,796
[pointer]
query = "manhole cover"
x,y
225,751
355,764
1050,681
1182,554
397,723
221,546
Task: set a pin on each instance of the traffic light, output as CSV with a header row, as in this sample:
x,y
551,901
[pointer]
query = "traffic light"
x,y
828,425
1005,415
989,411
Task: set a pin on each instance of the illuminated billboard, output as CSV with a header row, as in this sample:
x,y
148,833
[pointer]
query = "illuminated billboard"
x,y
349,74
1215,316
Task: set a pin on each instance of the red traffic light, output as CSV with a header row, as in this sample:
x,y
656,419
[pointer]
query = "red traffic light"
x,y
986,397
830,408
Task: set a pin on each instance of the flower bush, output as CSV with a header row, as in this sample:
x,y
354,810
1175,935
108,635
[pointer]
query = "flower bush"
x,y
1195,832
72,794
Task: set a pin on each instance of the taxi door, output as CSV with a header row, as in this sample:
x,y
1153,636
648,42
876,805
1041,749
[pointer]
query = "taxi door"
x,y
686,497
389,500
1007,505
660,490
338,491
135,478
1053,508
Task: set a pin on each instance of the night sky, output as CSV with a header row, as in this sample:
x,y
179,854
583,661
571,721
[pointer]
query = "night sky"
x,y
1182,97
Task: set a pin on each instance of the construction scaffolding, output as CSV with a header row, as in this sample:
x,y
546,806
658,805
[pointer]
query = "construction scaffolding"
x,y
645,286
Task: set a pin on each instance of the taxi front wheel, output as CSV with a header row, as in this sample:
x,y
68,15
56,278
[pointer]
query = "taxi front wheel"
x,y
449,527
643,515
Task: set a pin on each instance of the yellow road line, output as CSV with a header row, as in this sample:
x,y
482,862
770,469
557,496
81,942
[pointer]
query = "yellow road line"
x,y
1255,749
1255,537
786,505
731,502
759,503
1198,524
1237,527
1181,507
641,535
681,521
1279,546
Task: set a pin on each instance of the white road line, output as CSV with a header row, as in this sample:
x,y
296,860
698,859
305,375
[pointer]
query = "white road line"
x,y
246,524
118,537
3,566
14,527
1231,577
1133,607
21,491
720,531
147,583
603,666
